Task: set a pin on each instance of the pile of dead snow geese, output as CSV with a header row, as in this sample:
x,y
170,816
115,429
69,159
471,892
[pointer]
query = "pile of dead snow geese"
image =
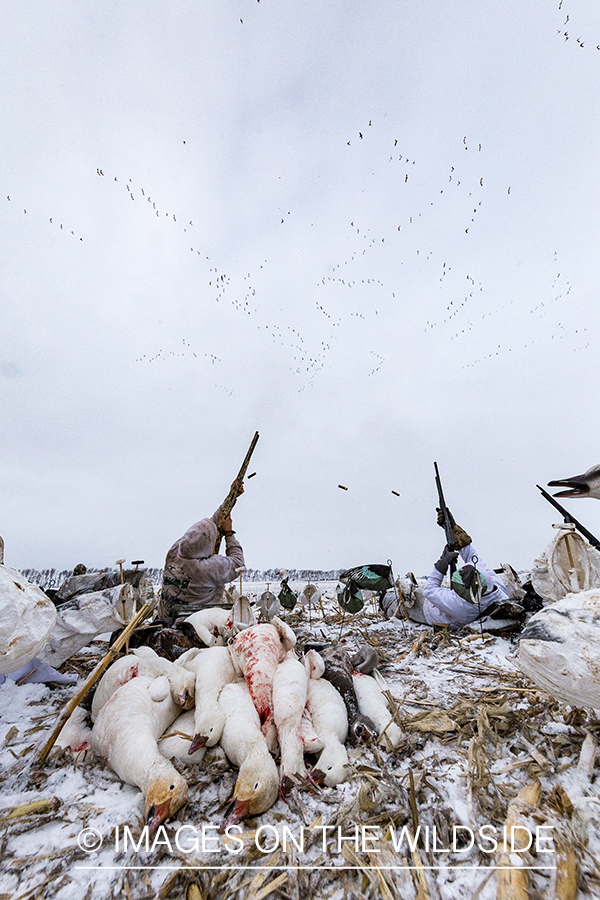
x,y
252,695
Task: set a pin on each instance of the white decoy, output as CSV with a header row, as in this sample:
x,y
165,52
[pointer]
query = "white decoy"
x,y
257,784
125,734
310,595
213,625
231,593
241,614
268,605
143,661
373,704
213,668
330,721
586,485
177,746
290,685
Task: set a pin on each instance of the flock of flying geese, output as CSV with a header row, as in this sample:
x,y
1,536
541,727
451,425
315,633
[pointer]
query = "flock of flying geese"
x,y
563,31
241,293
351,288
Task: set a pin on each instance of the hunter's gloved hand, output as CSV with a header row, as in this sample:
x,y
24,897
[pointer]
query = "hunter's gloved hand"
x,y
225,524
447,557
440,517
460,536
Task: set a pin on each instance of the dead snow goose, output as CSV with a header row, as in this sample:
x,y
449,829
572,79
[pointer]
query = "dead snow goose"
x,y
315,667
373,704
313,663
365,659
144,661
311,740
257,651
257,784
290,684
330,721
213,626
175,744
213,668
339,671
125,734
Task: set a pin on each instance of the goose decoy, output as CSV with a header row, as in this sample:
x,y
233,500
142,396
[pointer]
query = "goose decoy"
x,y
373,577
269,605
242,614
586,485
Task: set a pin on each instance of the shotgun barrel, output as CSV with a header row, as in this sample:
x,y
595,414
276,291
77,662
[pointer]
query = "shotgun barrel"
x,y
569,518
446,514
450,542
236,484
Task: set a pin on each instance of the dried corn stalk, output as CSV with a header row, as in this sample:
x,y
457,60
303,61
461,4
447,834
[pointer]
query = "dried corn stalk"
x,y
513,880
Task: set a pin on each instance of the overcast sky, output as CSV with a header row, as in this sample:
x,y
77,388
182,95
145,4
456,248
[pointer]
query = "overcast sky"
x,y
367,230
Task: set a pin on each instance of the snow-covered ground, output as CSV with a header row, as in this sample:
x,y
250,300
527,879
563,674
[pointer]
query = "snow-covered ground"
x,y
477,731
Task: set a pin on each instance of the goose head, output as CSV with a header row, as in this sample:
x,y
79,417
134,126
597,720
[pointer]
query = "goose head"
x,y
286,635
207,637
586,485
313,664
183,687
166,794
331,772
208,730
256,790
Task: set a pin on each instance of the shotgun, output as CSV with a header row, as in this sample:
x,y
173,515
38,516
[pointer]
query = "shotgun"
x,y
234,490
446,514
569,518
447,518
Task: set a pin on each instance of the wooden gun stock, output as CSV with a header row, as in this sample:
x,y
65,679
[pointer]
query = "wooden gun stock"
x,y
232,496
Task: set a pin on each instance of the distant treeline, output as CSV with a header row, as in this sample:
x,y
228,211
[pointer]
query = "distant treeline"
x,y
53,578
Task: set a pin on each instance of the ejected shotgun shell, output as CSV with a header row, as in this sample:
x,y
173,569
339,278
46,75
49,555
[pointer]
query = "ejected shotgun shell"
x,y
396,493
343,487
252,476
